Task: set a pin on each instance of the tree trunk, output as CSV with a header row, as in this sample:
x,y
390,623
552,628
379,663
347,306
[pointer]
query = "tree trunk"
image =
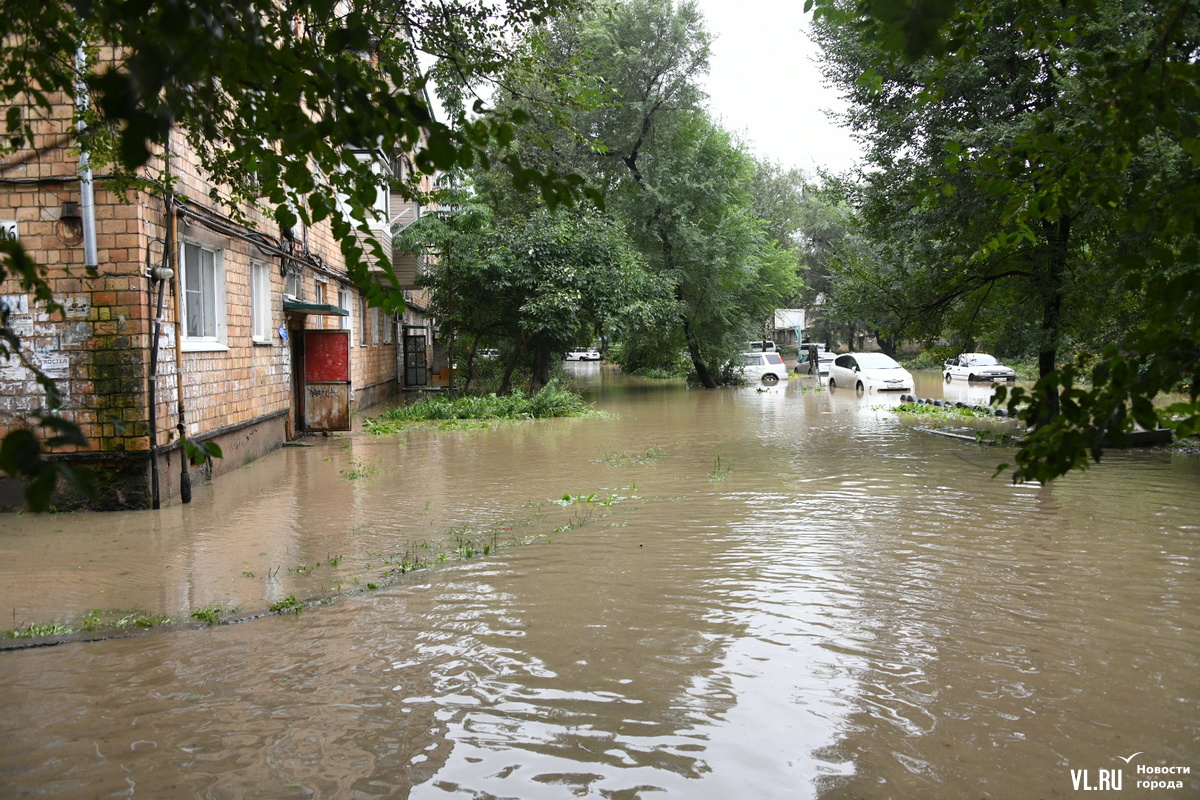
x,y
541,368
888,346
506,381
703,374
1058,235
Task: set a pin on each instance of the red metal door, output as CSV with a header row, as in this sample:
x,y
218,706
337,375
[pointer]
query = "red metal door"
x,y
326,380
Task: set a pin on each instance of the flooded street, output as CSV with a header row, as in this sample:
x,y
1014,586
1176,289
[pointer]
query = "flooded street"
x,y
745,594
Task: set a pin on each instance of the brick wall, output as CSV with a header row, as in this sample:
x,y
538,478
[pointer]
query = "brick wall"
x,y
99,347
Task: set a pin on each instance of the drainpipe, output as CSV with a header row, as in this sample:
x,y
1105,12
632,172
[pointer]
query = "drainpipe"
x,y
185,476
160,276
172,263
87,199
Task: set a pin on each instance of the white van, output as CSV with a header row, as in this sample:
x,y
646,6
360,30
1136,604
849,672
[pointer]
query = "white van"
x,y
766,368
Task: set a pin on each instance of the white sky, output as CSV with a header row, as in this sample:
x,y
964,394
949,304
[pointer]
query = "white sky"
x,y
763,84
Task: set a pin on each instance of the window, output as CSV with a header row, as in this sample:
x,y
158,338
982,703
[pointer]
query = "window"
x,y
203,289
293,284
388,323
374,327
346,301
260,302
362,315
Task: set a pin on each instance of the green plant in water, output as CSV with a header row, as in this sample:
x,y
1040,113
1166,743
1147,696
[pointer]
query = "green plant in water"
x,y
209,615
615,459
469,543
33,631
621,459
567,499
98,619
551,401
935,412
359,468
720,471
288,604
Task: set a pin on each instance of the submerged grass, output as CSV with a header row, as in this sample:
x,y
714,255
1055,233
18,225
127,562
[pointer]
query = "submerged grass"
x,y
95,620
938,412
720,471
458,544
359,468
969,423
621,459
551,401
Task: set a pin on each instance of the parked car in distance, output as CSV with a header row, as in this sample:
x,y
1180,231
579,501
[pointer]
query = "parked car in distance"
x,y
877,371
760,367
818,367
489,352
978,367
762,346
583,354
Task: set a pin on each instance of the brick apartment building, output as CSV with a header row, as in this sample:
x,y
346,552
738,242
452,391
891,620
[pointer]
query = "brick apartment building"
x,y
261,328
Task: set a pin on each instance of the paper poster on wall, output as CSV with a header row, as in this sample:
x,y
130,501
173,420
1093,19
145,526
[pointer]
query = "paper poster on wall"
x,y
15,303
77,307
55,366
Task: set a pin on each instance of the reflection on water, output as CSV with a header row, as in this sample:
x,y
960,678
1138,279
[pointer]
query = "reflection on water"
x,y
790,595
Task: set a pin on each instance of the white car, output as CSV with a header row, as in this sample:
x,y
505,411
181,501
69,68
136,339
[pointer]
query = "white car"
x,y
861,371
978,367
824,359
583,354
766,368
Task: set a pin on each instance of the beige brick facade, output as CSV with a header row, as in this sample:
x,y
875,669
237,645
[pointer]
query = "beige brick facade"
x,y
238,389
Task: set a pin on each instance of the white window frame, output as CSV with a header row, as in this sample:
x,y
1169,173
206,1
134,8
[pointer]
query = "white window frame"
x,y
260,303
346,301
375,327
210,280
321,297
389,322
293,285
362,314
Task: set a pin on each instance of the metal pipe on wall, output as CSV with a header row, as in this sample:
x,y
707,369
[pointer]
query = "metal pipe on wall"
x,y
159,275
87,198
185,475
172,262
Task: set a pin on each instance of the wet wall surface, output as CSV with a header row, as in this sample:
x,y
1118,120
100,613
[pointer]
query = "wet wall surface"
x,y
779,594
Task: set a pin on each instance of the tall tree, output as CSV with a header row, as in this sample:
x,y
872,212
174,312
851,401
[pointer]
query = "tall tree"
x,y
1012,144
534,284
681,185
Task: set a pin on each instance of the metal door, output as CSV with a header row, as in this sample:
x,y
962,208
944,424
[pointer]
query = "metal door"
x,y
326,380
416,365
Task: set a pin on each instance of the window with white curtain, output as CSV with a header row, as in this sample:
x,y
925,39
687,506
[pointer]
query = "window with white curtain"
x,y
260,303
203,296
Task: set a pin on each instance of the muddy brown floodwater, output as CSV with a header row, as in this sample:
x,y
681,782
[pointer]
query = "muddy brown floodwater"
x,y
749,594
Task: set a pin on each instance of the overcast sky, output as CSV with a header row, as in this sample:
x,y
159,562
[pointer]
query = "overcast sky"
x,y
764,85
